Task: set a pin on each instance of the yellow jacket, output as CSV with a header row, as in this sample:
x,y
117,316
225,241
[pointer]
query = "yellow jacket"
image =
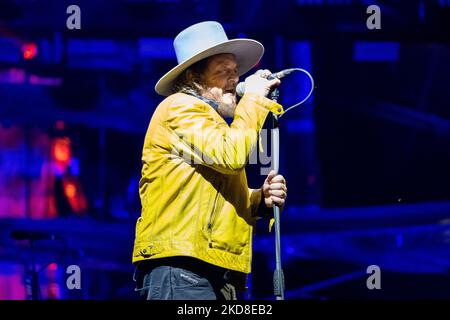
x,y
194,193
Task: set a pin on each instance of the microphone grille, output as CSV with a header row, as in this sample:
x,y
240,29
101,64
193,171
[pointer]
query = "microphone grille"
x,y
240,89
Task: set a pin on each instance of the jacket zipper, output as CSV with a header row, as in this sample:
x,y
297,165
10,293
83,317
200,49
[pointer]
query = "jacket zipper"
x,y
211,218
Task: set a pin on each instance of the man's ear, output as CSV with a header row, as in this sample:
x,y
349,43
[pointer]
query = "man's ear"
x,y
189,75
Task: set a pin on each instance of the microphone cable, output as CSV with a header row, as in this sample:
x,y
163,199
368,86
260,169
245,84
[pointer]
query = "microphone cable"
x,y
307,96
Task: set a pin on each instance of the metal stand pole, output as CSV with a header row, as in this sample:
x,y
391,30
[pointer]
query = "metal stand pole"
x,y
32,277
278,276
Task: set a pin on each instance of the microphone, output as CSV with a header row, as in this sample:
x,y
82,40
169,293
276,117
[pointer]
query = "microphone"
x,y
32,235
240,88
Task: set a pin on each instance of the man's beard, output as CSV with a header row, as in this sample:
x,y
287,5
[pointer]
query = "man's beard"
x,y
226,101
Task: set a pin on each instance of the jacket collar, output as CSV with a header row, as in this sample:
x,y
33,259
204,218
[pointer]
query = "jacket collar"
x,y
211,102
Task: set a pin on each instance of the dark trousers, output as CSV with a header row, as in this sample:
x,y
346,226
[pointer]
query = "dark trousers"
x,y
184,278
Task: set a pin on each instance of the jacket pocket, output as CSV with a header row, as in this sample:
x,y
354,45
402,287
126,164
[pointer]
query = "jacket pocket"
x,y
211,219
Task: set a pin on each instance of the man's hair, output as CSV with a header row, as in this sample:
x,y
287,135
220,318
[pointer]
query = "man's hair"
x,y
194,83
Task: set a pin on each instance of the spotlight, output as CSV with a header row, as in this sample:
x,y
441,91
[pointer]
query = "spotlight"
x,y
29,50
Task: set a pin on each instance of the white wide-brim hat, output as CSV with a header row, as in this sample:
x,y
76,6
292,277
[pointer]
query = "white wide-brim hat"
x,y
203,40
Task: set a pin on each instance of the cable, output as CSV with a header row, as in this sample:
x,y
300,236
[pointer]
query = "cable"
x,y
309,94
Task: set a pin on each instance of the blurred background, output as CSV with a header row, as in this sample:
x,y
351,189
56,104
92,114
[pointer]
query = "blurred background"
x,y
367,158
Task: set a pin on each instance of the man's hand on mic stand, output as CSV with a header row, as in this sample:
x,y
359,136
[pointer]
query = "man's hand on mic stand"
x,y
274,190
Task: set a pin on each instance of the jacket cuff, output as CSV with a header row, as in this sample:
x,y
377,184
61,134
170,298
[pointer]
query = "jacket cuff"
x,y
262,211
264,102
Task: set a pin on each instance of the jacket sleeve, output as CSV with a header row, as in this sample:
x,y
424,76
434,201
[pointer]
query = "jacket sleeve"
x,y
259,209
197,137
255,200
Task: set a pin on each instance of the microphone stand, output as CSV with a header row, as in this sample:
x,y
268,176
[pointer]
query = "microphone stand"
x,y
32,277
32,286
278,276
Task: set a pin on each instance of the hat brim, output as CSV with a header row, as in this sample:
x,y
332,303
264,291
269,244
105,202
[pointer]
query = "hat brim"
x,y
248,52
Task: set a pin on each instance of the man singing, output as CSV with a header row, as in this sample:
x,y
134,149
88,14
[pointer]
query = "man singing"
x,y
194,236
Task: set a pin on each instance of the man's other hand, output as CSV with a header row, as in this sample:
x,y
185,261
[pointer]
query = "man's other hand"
x,y
274,190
